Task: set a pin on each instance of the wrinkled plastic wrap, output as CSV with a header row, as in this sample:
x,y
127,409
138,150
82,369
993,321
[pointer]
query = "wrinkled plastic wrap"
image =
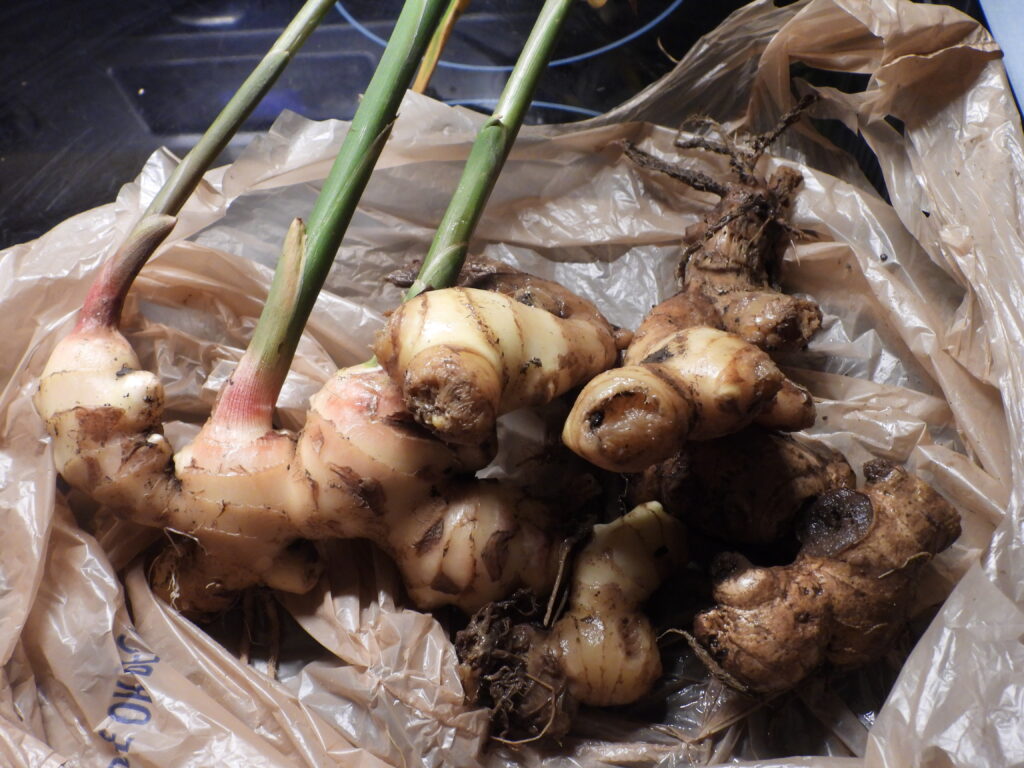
x,y
919,360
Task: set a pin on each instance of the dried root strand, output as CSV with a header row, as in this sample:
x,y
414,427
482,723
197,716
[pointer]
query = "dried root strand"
x,y
498,671
743,151
696,179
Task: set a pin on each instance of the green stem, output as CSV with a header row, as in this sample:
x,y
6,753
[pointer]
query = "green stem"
x,y
247,399
106,296
487,157
279,328
437,43
366,136
177,189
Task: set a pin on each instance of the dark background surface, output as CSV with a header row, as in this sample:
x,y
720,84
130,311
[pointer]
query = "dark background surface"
x,y
90,88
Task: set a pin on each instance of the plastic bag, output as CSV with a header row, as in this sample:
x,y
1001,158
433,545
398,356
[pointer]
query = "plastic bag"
x,y
918,361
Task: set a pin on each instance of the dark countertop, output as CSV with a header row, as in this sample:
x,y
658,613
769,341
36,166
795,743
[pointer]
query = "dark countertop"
x,y
91,88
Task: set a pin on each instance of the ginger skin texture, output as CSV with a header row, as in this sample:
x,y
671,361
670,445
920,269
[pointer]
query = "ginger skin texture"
x,y
489,275
245,496
608,648
683,379
697,368
733,257
362,468
847,595
601,652
746,488
464,356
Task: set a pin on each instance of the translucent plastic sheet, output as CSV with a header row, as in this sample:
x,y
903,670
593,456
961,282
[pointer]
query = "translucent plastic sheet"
x,y
919,361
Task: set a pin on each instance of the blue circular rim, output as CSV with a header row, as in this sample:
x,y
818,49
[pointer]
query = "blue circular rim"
x,y
467,102
356,24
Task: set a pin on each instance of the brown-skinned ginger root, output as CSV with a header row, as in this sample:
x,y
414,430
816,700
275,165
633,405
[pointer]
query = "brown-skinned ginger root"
x,y
845,598
361,468
746,488
464,356
601,652
734,254
242,503
683,379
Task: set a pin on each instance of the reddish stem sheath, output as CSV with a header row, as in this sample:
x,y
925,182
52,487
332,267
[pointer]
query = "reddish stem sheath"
x,y
248,398
103,303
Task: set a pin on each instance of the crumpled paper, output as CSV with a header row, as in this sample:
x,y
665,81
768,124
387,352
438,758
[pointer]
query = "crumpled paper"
x,y
918,360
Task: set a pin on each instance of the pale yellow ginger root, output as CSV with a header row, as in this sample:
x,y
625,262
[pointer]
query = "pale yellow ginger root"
x,y
236,505
101,410
378,475
246,500
489,275
105,419
362,468
464,356
475,543
230,489
366,461
706,384
245,497
602,651
607,648
845,598
730,309
682,379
